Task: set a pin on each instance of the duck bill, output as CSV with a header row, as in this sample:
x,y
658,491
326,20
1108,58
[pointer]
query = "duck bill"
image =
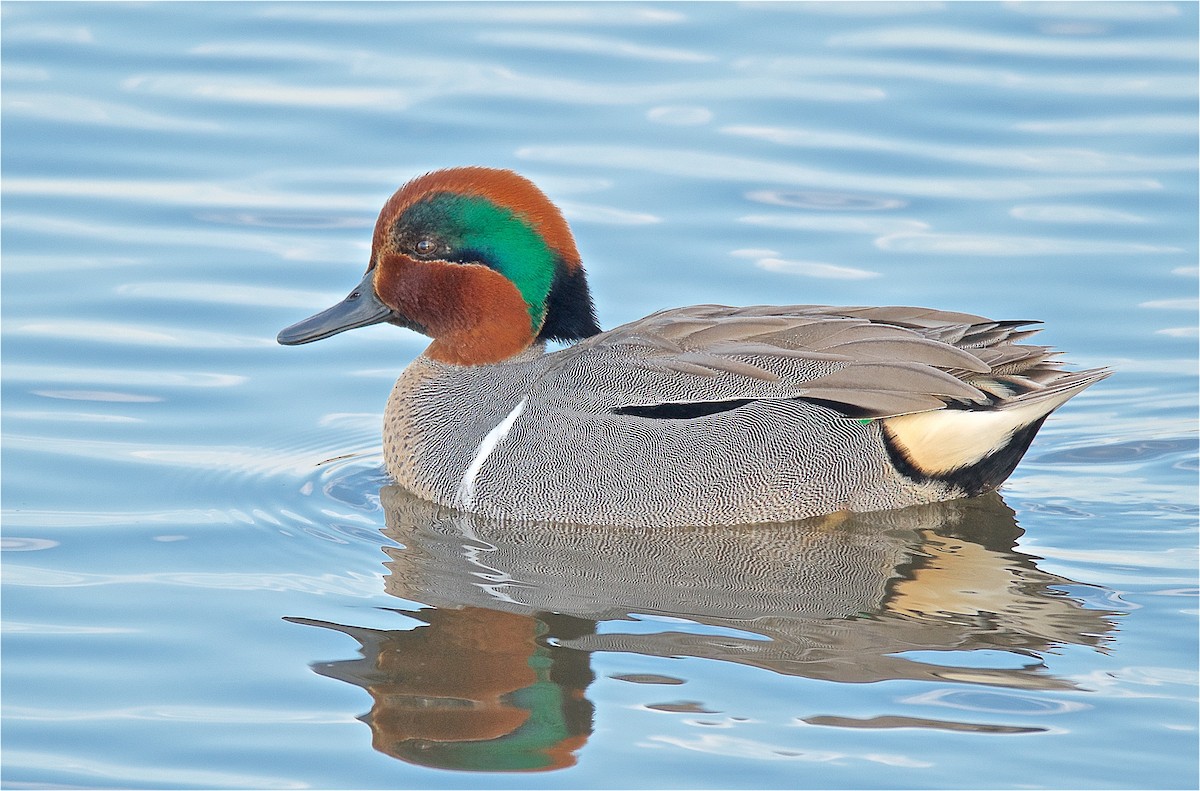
x,y
360,308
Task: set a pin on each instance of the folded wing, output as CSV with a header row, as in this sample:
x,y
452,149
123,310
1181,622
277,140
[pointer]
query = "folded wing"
x,y
864,362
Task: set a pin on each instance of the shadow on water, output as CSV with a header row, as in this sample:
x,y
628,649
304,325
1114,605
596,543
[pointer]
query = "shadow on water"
x,y
495,677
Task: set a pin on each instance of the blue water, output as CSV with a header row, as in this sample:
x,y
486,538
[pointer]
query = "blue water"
x,y
207,583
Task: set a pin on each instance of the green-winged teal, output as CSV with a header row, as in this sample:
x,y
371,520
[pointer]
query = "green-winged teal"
x,y
698,415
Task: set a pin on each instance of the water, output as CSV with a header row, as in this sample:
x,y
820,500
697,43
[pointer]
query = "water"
x,y
207,582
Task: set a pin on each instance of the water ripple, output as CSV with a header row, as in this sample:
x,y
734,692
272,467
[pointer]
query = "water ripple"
x,y
680,115
42,374
1150,564
59,34
94,112
590,45
338,461
770,261
1086,215
996,701
228,294
893,721
1056,160
824,8
455,78
11,627
825,201
19,72
1189,304
736,747
315,221
959,40
264,92
1153,125
113,332
1121,452
103,396
222,714
207,193
288,246
19,544
1124,84
996,244
353,584
814,269
91,773
724,167
605,215
1110,10
833,223
234,461
512,13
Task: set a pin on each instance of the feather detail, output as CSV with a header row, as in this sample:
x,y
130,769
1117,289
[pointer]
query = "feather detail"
x,y
939,442
863,362
466,487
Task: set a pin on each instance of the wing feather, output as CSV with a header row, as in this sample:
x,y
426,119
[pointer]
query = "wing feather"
x,y
865,361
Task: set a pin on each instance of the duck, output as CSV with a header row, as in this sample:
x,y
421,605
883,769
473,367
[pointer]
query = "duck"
x,y
522,408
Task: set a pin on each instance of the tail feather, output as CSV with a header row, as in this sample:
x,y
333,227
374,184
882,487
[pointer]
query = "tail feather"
x,y
1057,389
978,448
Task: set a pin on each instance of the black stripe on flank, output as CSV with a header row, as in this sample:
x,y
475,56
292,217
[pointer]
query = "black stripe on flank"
x,y
691,409
681,411
982,476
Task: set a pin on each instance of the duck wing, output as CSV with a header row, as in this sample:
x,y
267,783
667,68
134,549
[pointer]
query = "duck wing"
x,y
865,362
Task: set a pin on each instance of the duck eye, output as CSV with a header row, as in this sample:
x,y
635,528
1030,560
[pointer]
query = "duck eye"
x,y
425,246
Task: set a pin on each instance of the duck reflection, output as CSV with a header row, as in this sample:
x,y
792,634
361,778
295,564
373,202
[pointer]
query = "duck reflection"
x,y
473,689
495,676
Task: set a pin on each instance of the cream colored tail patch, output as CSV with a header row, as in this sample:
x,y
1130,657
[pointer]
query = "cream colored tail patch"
x,y
943,440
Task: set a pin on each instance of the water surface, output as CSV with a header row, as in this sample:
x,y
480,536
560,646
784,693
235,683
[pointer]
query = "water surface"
x,y
208,583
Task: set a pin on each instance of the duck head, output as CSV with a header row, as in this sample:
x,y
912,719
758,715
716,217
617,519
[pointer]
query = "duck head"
x,y
478,259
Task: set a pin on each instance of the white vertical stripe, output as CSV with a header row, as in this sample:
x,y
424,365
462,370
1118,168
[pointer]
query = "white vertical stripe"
x,y
466,488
